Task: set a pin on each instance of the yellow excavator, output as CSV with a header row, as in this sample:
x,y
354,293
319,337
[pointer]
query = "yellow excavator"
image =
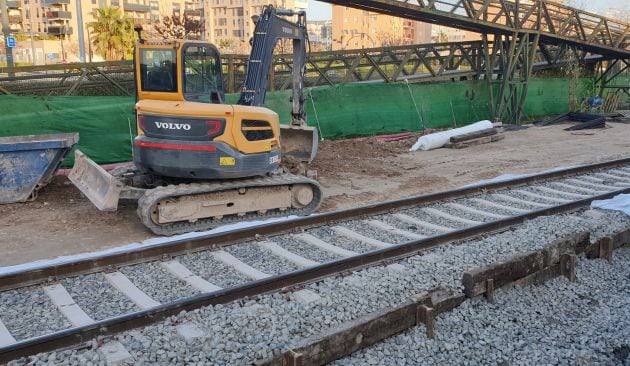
x,y
198,162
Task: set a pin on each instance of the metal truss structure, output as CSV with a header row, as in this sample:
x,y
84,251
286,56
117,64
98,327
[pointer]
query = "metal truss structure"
x,y
435,62
511,32
607,77
453,61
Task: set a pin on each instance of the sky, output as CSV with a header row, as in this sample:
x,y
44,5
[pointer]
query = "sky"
x,y
318,10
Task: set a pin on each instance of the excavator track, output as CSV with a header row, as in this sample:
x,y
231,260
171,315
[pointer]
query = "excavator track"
x,y
148,204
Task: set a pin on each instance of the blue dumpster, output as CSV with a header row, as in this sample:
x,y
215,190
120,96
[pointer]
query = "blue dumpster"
x,y
27,163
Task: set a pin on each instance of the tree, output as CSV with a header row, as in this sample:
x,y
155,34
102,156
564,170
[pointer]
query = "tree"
x,y
112,33
442,37
388,39
174,27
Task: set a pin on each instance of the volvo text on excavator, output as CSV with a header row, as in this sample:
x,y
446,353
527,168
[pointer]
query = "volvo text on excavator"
x,y
198,162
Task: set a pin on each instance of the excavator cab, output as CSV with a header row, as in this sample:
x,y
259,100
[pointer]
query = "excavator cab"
x,y
185,130
201,73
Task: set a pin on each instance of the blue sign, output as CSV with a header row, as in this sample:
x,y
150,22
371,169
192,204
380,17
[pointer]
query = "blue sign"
x,y
11,41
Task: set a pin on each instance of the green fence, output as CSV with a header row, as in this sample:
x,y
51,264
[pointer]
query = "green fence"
x,y
343,110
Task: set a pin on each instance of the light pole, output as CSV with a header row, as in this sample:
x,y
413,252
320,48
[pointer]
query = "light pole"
x,y
6,30
80,31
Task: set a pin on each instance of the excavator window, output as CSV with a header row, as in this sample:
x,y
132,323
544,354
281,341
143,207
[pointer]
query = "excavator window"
x,y
202,77
158,70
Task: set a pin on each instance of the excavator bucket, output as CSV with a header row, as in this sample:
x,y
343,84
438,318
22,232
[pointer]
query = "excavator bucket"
x,y
97,185
299,142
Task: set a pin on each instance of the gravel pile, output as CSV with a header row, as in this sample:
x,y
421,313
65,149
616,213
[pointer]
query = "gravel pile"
x,y
241,332
260,258
214,271
586,323
157,282
96,297
302,249
29,313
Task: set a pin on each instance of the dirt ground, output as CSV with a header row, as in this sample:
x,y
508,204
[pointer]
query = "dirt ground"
x,y
353,172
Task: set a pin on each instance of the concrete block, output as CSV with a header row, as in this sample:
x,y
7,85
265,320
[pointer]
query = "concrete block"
x,y
116,354
189,331
305,296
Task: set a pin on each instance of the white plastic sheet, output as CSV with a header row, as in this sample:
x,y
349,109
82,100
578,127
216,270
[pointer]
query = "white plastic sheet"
x,y
620,202
439,139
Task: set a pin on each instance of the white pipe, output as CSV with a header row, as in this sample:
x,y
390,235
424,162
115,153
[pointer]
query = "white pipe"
x,y
439,139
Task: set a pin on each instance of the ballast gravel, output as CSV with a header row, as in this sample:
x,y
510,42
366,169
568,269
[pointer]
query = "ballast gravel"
x,y
245,331
421,214
365,229
499,211
304,250
456,211
156,281
556,323
500,199
328,235
212,270
260,258
29,313
97,297
390,220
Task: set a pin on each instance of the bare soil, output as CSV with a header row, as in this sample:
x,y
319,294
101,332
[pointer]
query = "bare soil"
x,y
353,172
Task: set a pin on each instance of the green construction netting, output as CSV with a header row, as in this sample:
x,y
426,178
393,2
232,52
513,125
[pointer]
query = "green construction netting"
x,y
102,122
343,110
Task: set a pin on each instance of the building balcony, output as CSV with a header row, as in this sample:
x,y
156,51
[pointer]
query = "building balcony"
x,y
59,30
15,19
53,15
15,27
56,2
141,8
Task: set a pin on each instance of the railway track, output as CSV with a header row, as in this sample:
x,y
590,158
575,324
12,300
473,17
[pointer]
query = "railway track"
x,y
57,306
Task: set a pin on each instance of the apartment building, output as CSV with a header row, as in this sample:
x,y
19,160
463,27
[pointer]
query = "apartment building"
x,y
320,34
441,33
228,22
55,25
355,28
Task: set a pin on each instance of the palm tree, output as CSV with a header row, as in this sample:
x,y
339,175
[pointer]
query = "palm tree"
x,y
112,33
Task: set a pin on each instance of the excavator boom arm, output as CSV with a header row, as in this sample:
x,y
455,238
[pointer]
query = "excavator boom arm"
x,y
270,27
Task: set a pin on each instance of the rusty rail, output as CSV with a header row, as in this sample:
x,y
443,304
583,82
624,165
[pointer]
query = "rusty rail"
x,y
133,320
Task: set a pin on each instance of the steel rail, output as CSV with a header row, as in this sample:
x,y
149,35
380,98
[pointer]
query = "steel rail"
x,y
54,272
73,336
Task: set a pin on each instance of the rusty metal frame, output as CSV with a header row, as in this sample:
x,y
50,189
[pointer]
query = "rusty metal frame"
x,y
606,73
109,78
556,23
510,62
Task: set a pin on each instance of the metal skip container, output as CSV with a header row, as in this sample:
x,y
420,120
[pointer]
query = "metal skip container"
x,y
28,163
